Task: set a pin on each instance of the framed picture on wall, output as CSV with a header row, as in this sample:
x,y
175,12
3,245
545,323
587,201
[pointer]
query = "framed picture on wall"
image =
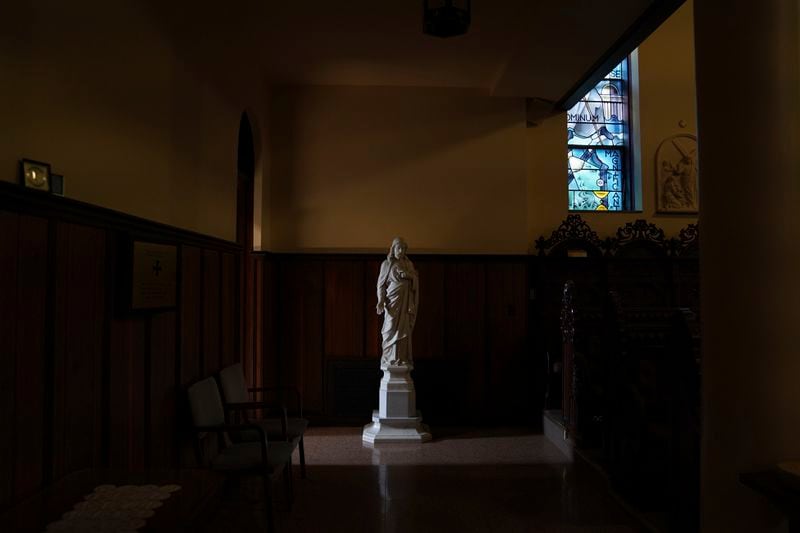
x,y
35,175
153,272
677,185
57,184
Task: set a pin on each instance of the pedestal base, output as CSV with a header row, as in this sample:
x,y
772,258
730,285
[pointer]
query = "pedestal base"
x,y
397,418
395,429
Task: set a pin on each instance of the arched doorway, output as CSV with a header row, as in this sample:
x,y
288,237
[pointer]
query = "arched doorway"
x,y
245,186
246,167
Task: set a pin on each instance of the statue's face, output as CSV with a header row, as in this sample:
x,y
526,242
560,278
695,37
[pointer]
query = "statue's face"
x,y
399,250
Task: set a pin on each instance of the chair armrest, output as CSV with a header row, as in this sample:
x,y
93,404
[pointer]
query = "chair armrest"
x,y
238,427
265,406
291,388
262,406
227,427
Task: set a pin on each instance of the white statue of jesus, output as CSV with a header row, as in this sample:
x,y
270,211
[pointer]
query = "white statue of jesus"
x,y
398,297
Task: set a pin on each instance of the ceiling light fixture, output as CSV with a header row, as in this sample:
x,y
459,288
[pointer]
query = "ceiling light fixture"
x,y
445,18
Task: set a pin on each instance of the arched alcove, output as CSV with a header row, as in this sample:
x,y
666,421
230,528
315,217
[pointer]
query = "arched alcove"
x,y
246,211
245,166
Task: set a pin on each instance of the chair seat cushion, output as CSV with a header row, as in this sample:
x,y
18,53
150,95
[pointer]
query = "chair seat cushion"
x,y
247,456
295,427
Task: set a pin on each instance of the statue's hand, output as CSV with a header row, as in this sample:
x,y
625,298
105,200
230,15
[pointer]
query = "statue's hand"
x,y
379,309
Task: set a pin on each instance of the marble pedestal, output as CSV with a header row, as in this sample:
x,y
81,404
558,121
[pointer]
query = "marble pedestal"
x,y
397,419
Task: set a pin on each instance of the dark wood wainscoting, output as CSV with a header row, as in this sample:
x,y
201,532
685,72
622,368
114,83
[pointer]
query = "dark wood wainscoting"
x,y
487,338
472,362
84,384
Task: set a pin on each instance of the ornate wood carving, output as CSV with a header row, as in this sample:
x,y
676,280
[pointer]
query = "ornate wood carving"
x,y
639,231
567,313
573,228
629,377
687,242
568,404
638,268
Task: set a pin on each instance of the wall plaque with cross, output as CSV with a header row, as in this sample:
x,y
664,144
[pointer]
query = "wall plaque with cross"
x,y
154,279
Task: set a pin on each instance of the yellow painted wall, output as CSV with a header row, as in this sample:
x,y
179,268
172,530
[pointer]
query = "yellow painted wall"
x,y
750,259
451,170
121,108
666,96
354,166
143,119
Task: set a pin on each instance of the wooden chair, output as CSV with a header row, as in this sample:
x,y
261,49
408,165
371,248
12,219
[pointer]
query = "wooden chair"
x,y
256,457
237,398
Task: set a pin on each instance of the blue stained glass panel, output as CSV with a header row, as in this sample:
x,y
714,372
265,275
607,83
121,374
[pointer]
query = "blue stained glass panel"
x,y
607,87
594,158
620,72
591,201
584,201
599,109
595,180
597,134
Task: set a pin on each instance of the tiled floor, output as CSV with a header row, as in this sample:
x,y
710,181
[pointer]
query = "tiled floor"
x,y
463,481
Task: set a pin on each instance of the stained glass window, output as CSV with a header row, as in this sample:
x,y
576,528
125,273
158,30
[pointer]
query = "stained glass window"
x,y
597,146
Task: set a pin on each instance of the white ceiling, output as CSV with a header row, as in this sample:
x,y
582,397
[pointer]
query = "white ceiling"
x,y
521,48
513,48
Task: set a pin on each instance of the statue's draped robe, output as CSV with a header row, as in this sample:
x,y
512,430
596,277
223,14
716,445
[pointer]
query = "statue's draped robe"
x,y
400,295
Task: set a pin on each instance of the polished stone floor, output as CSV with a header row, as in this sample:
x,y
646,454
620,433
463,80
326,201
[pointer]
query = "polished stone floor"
x,y
465,480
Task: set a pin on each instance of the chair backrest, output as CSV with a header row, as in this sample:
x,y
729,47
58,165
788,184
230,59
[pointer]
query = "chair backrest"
x,y
234,387
206,404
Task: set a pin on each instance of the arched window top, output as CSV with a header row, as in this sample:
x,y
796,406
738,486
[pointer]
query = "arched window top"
x,y
609,90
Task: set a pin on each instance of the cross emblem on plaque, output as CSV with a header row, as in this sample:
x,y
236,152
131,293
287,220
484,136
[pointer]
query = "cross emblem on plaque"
x,y
157,267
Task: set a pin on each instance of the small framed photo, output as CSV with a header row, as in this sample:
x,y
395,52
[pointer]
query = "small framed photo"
x,y
57,184
35,175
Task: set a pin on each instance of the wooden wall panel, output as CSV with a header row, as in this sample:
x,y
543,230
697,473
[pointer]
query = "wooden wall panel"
x,y
509,362
465,323
126,378
211,353
190,314
30,352
372,322
472,313
344,309
87,383
9,236
228,311
189,335
269,328
164,396
428,337
250,334
301,319
254,357
80,300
